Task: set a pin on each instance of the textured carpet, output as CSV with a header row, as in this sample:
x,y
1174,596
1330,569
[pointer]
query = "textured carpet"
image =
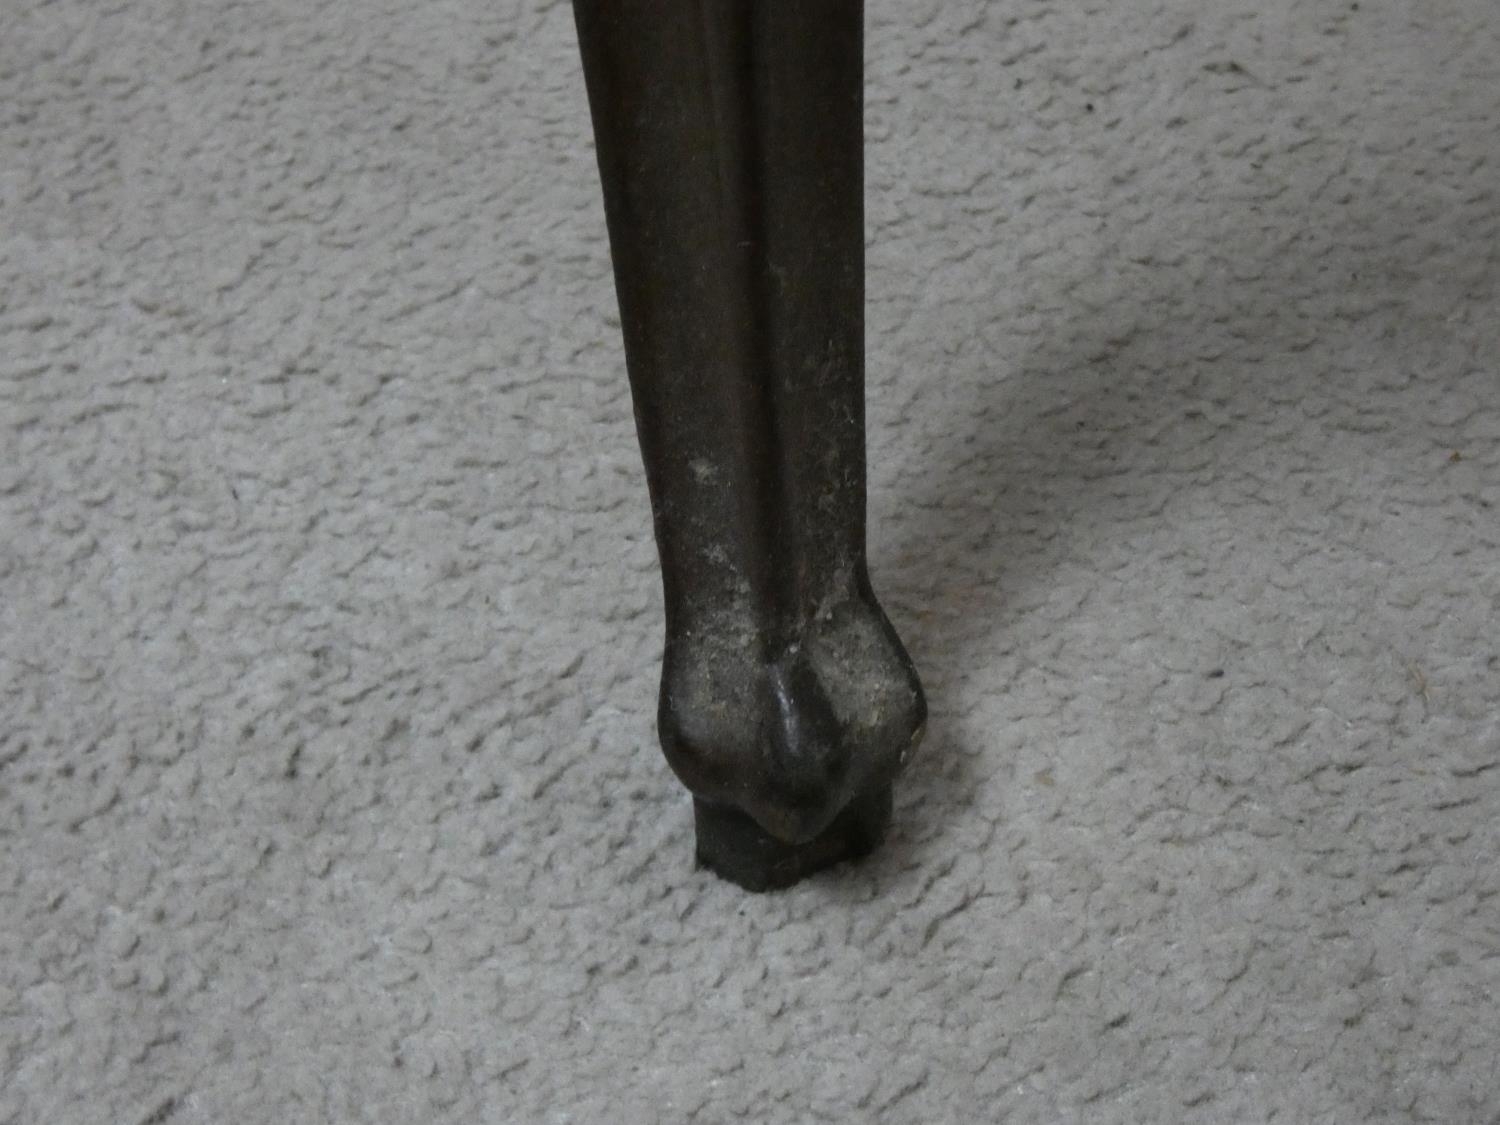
x,y
329,616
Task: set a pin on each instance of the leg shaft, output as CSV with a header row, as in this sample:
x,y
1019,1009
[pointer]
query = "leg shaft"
x,y
730,149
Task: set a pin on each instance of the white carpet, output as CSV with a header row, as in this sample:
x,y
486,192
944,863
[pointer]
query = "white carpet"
x,y
329,613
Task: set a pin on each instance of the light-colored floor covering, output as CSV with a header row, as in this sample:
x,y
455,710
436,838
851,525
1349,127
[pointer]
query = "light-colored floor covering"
x,y
330,618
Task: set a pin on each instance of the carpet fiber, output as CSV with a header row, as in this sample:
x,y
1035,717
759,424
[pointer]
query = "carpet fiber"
x,y
330,619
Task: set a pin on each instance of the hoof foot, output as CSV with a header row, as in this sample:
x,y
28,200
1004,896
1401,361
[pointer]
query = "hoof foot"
x,y
790,754
733,846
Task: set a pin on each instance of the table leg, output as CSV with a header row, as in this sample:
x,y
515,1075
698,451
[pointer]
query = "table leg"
x,y
730,146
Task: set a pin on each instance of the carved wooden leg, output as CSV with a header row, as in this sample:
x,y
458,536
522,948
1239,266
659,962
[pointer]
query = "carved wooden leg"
x,y
731,154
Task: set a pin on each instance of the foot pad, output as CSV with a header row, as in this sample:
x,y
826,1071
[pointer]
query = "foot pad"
x,y
734,847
